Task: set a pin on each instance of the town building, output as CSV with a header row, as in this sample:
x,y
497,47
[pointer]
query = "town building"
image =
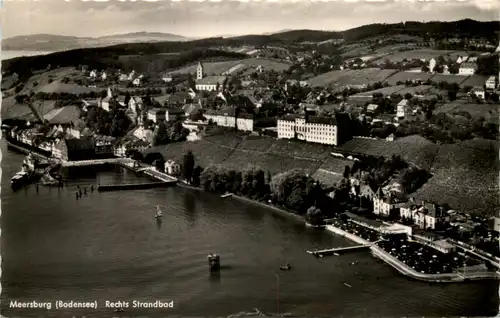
x,y
467,68
231,117
432,65
172,168
402,109
173,114
317,129
426,215
386,204
479,92
104,76
491,83
104,145
156,114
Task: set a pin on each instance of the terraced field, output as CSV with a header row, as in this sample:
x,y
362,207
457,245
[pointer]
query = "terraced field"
x,y
466,177
459,79
475,80
414,149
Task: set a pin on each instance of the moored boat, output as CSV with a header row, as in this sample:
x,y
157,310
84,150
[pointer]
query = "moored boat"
x,y
318,226
226,195
21,179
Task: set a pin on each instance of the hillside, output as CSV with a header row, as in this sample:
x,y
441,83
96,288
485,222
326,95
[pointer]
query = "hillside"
x,y
49,42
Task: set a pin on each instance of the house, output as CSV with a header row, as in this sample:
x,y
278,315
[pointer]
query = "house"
x,y
129,144
402,109
371,108
317,129
93,74
432,65
491,82
231,117
135,104
446,70
167,78
104,76
136,81
173,114
172,168
123,77
426,215
156,114
479,92
104,145
472,59
467,68
131,75
386,204
459,60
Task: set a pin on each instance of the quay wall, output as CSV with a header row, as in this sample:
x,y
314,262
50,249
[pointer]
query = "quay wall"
x,y
347,235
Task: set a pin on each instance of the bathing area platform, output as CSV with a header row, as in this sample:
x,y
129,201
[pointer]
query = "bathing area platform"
x,y
341,250
136,186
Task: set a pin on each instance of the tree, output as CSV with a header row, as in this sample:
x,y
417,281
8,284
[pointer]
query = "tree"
x,y
188,166
347,171
314,216
160,135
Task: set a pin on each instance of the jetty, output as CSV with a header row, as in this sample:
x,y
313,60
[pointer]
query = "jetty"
x,y
135,186
340,250
94,162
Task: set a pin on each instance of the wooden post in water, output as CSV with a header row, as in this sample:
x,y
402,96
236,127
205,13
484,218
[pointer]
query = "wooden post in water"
x,y
277,294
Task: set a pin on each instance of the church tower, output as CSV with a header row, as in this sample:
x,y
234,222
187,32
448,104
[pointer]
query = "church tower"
x,y
199,71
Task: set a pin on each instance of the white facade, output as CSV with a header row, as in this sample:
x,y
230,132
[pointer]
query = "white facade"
x,y
402,108
467,69
245,124
156,115
172,168
206,87
136,82
199,71
432,65
480,93
104,76
491,83
310,131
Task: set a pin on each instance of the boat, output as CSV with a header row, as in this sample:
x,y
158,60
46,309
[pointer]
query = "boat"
x,y
158,212
213,261
347,285
226,195
20,179
286,267
336,254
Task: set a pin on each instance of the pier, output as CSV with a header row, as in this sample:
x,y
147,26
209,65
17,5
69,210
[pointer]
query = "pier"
x,y
331,251
135,186
95,162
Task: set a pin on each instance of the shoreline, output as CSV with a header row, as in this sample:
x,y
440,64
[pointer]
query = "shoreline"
x,y
375,250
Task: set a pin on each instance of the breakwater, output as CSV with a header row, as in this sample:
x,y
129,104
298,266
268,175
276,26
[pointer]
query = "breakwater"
x,y
135,186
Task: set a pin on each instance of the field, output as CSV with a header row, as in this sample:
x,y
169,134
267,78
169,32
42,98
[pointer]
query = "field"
x,y
465,177
35,82
414,149
459,79
351,77
356,51
475,80
10,109
407,76
426,54
399,89
63,115
329,179
217,68
394,48
488,111
57,87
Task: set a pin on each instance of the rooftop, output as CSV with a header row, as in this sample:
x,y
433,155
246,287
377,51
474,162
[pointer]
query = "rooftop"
x,y
211,80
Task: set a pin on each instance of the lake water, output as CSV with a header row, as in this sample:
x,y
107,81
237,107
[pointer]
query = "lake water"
x,y
5,55
108,246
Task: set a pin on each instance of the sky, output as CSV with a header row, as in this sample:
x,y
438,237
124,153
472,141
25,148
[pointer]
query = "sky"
x,y
198,18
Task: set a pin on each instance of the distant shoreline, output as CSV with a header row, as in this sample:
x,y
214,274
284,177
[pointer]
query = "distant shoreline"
x,y
10,54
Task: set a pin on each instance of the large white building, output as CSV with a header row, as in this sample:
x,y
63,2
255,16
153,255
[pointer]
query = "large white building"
x,y
227,118
402,109
323,130
425,215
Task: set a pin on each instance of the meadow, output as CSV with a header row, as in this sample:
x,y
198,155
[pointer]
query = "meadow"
x,y
475,80
458,79
217,68
426,54
11,109
489,112
351,77
407,76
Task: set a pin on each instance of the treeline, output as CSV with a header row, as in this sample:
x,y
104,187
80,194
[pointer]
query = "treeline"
x,y
109,57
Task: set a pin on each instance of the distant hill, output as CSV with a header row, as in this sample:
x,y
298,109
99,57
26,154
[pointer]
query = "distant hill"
x,y
463,28
50,42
